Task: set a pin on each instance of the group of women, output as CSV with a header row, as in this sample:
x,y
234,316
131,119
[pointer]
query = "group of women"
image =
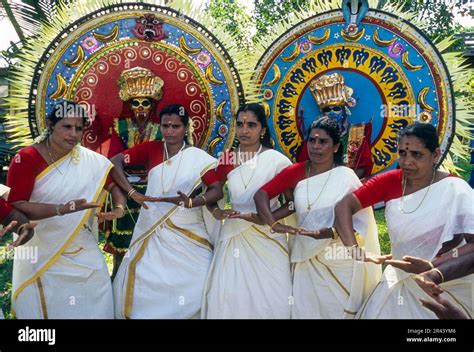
x,y
291,241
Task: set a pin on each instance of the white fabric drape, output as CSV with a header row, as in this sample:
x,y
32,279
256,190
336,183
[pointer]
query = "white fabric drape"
x,y
327,284
163,274
69,277
447,210
250,272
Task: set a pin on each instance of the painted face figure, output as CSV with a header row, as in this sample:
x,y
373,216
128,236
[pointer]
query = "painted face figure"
x,y
141,107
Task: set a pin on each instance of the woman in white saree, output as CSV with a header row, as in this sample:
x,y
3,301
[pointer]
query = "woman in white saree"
x,y
163,273
250,272
429,216
62,273
327,282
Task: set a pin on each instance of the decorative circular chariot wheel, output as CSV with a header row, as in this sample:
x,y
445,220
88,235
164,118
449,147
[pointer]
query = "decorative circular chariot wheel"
x,y
397,76
86,59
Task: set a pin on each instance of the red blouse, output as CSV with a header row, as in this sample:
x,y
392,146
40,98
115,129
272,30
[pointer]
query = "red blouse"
x,y
25,166
150,154
382,187
5,209
225,165
286,179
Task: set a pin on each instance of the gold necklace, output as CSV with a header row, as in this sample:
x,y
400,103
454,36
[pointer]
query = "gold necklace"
x,y
241,165
175,174
322,189
167,157
404,183
51,157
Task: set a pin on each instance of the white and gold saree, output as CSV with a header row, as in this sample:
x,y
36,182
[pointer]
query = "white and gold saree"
x,y
68,277
447,210
327,283
162,275
250,273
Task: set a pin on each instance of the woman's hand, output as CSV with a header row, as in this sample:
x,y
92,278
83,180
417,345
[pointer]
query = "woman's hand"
x,y
220,214
25,233
181,200
117,213
413,265
76,205
8,228
250,217
141,199
443,308
426,282
361,255
282,228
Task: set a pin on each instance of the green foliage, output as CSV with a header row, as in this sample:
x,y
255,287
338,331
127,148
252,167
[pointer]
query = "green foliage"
x,y
439,16
6,269
269,12
247,29
384,238
232,15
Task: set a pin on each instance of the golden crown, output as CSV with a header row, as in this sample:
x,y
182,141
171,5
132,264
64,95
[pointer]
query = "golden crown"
x,y
330,90
139,82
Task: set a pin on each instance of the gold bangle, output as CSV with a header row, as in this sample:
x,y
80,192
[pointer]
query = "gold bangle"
x,y
205,200
335,234
120,206
440,274
190,203
130,192
58,213
431,265
271,227
20,228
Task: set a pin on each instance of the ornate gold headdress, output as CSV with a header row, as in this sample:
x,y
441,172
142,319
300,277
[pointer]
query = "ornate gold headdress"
x,y
139,82
330,90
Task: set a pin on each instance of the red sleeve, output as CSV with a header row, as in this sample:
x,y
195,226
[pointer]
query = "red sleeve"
x,y
138,155
108,181
116,145
24,168
303,155
225,165
5,209
288,178
210,177
382,187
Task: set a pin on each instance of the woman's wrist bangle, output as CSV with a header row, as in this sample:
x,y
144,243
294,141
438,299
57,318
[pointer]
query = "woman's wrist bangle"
x,y
21,227
190,203
273,225
130,192
440,274
58,212
334,233
120,206
431,265
205,200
